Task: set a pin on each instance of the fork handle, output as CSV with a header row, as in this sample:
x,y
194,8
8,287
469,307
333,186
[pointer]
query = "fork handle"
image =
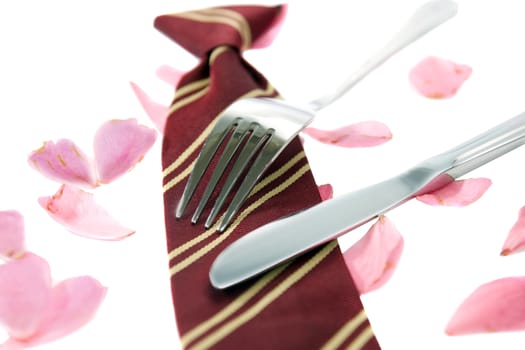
x,y
427,17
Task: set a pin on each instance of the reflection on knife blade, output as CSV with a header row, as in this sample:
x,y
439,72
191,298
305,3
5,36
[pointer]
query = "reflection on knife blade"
x,y
283,239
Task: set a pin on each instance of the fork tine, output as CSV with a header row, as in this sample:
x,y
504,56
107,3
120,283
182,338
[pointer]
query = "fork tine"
x,y
216,137
255,141
239,133
268,153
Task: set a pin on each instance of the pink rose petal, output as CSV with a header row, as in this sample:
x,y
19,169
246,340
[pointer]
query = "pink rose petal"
x,y
326,192
515,241
79,213
119,145
157,112
268,37
13,344
25,292
437,78
373,259
497,306
364,134
169,75
63,162
34,312
12,234
458,193
74,303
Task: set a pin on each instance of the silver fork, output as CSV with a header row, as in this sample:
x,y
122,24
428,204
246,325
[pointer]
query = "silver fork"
x,y
270,124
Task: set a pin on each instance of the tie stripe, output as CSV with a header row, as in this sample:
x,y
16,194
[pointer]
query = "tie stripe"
x,y
242,25
265,301
175,180
190,88
362,339
216,53
188,99
233,307
222,16
347,331
195,90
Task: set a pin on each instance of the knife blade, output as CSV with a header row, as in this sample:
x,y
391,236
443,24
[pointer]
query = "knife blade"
x,y
288,237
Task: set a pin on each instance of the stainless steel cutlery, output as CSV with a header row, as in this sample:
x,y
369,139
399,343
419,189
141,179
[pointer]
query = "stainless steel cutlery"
x,y
278,241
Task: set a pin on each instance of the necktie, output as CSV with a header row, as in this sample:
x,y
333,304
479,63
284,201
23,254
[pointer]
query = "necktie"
x,y
309,303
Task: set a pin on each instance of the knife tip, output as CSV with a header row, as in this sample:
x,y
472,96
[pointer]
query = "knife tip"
x,y
217,280
226,272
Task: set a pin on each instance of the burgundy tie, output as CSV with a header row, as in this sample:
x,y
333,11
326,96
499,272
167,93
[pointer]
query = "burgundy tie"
x,y
309,303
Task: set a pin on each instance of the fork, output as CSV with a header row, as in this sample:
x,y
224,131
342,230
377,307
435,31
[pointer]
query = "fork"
x,y
269,124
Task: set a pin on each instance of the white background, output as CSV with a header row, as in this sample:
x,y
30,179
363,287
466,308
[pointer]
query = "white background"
x,y
65,68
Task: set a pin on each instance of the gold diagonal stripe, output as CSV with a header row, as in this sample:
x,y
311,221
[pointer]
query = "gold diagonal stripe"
x,y
179,177
264,182
222,16
344,332
202,16
187,152
244,26
216,53
269,90
207,18
207,248
182,248
199,87
187,100
235,305
361,339
202,137
228,328
190,87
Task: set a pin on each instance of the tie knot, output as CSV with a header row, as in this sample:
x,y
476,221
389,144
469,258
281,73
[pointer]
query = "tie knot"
x,y
241,27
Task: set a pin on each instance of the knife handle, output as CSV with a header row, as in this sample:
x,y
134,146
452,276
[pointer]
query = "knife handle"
x,y
485,147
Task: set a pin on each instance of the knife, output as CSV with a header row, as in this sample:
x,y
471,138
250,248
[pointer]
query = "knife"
x,y
288,237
